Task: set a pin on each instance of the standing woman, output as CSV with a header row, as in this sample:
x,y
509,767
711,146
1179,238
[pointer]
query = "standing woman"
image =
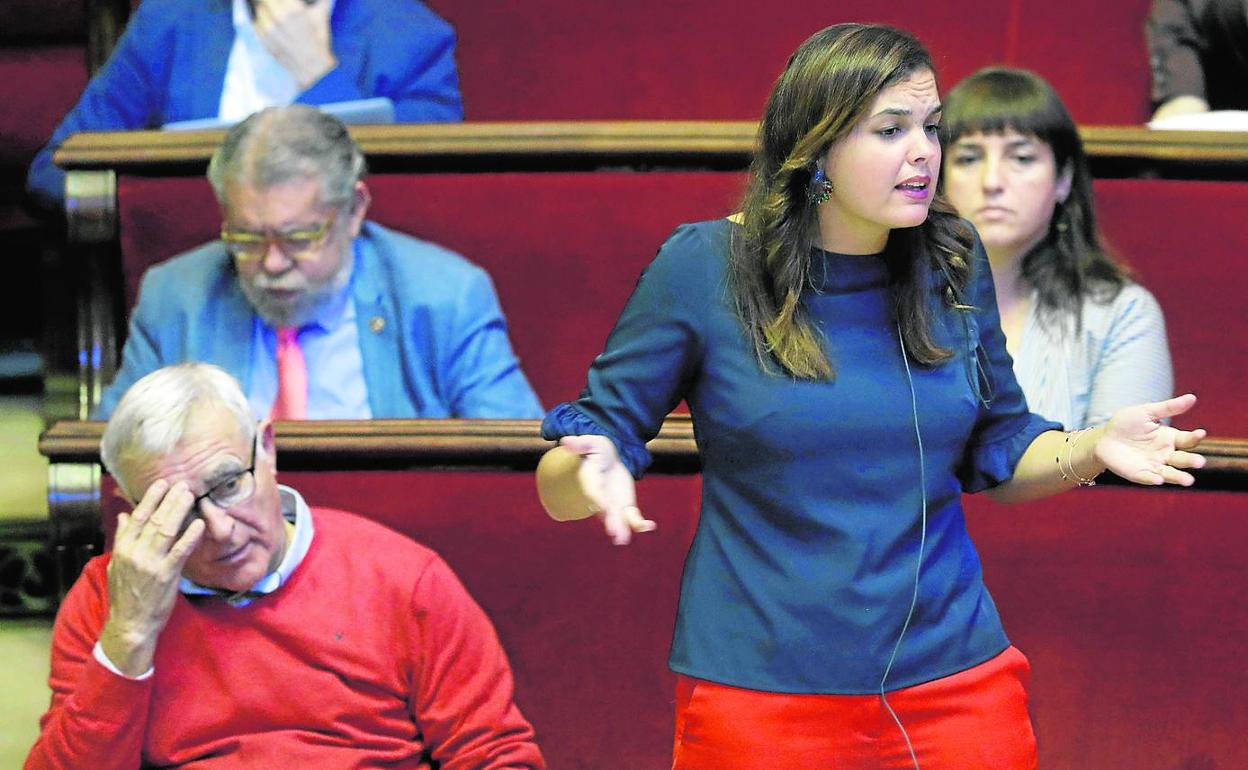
x,y
1085,338
838,345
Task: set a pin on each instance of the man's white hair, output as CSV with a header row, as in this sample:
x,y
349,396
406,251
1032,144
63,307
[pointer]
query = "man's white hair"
x,y
151,418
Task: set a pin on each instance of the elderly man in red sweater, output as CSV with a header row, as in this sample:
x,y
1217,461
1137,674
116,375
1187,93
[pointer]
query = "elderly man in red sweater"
x,y
233,626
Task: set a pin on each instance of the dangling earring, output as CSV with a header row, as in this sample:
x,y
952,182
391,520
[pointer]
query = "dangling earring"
x,y
1061,225
819,189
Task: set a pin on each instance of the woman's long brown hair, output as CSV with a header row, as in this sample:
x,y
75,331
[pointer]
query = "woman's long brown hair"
x,y
825,90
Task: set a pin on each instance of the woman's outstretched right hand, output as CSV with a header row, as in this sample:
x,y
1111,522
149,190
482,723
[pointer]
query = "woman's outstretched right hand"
x,y
608,487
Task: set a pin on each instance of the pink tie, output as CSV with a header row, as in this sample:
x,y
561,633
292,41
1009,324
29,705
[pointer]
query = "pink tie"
x,y
292,378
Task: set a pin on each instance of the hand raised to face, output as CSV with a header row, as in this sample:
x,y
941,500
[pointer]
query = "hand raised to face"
x,y
151,546
297,34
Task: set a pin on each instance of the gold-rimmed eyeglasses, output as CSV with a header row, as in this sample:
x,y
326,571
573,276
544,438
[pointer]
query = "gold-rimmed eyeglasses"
x,y
297,245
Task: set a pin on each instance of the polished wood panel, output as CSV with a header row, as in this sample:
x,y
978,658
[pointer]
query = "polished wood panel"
x,y
398,444
494,444
1113,150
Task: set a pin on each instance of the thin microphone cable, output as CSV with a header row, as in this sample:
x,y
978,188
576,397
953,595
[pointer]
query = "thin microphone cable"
x,y
914,597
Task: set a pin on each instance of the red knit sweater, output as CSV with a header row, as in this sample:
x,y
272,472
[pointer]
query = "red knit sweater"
x,y
372,655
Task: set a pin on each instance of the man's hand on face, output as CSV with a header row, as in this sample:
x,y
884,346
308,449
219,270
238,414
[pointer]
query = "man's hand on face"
x,y
297,34
150,549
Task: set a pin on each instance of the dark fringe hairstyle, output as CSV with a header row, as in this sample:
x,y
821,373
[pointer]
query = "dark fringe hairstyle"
x,y
1072,261
830,82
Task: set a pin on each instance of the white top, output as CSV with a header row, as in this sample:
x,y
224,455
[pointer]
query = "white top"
x,y
1118,358
253,78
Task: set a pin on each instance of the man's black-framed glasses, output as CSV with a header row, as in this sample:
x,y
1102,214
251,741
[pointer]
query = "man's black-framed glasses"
x,y
234,490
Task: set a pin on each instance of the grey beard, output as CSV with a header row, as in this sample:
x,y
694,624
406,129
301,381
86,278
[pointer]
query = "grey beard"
x,y
305,309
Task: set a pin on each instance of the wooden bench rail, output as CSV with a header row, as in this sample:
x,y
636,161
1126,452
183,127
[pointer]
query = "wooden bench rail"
x,y
74,473
497,444
1112,150
397,444
493,444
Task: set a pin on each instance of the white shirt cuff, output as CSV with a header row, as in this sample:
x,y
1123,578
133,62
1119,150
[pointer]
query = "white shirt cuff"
x,y
98,652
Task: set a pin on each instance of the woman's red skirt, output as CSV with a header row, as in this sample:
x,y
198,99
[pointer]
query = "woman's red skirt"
x,y
973,720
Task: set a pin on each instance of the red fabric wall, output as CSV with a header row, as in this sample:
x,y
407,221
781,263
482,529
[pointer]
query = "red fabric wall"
x,y
1186,242
1129,604
566,249
649,59
1125,601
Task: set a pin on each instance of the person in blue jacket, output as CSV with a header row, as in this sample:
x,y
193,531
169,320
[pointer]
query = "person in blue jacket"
x,y
192,59
385,325
838,344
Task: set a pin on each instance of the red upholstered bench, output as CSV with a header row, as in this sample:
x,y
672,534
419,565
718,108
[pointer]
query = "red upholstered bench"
x,y
658,60
564,249
1186,241
586,624
43,68
1124,599
1129,604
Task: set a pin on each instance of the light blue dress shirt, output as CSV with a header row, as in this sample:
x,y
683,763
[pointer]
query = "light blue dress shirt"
x,y
331,348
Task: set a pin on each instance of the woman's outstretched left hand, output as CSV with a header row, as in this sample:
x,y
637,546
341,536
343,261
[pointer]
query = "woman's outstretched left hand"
x,y
1138,447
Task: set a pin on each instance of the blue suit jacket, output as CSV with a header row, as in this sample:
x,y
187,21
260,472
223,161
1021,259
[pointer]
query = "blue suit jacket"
x,y
432,335
170,65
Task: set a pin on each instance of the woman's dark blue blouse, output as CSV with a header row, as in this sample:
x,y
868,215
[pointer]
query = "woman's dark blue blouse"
x,y
817,495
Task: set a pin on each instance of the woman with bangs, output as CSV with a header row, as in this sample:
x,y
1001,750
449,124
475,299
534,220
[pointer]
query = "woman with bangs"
x,y
1086,339
838,345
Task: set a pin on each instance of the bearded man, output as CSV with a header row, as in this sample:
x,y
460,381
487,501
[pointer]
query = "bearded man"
x,y
317,312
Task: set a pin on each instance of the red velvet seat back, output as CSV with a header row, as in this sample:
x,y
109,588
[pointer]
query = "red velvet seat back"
x,y
564,250
585,624
1092,52
650,59
43,69
1186,241
1125,600
38,85
655,60
1129,603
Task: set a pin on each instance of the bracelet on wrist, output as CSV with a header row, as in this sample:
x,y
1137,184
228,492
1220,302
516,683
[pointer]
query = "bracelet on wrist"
x,y
1068,472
